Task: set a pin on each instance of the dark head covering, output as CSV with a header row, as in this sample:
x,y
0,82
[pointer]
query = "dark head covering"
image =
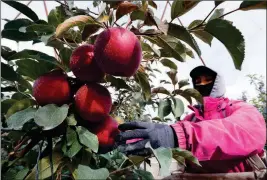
x,y
217,88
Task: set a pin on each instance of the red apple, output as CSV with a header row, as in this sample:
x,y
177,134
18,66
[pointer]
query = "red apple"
x,y
118,52
84,66
93,102
106,132
52,88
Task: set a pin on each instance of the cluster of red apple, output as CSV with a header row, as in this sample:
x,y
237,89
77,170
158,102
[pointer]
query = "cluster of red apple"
x,y
117,52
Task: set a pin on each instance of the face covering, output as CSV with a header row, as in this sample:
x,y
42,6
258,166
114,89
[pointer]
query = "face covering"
x,y
204,90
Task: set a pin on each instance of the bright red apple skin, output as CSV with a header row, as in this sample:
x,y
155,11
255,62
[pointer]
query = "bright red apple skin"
x,y
106,132
93,102
118,52
84,66
52,88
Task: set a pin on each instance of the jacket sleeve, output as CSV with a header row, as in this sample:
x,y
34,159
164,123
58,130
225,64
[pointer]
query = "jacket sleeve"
x,y
241,134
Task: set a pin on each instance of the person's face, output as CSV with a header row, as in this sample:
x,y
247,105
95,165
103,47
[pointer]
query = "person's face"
x,y
204,84
203,80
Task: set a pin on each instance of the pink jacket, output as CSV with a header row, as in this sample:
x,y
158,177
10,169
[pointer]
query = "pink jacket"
x,y
222,142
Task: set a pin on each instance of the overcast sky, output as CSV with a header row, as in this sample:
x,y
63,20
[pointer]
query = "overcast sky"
x,y
252,24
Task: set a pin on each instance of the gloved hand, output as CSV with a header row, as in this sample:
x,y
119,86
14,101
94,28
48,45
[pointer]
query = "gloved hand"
x,y
159,135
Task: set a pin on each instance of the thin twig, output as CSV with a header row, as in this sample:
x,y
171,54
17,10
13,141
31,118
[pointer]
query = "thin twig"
x,y
38,158
201,60
61,3
204,19
67,43
92,12
50,146
57,55
130,22
45,7
202,23
164,10
180,21
228,13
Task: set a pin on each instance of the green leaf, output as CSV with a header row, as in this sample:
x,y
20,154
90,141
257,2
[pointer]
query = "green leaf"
x,y
217,13
118,83
217,3
177,107
153,4
183,83
189,52
24,84
6,104
90,29
177,152
181,7
145,175
33,69
85,172
71,22
177,46
6,52
163,41
87,138
22,173
181,33
45,167
50,116
20,105
17,120
16,35
71,120
149,48
56,16
103,18
169,63
72,150
204,36
193,93
173,76
164,157
65,54
17,23
23,9
164,108
41,28
142,79
252,5
71,136
32,54
137,15
19,96
72,147
136,160
230,37
96,3
8,72
160,90
125,8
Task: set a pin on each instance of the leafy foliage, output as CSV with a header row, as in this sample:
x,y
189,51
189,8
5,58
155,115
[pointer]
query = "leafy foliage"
x,y
53,141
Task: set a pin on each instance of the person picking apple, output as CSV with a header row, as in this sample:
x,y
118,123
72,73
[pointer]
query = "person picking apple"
x,y
223,134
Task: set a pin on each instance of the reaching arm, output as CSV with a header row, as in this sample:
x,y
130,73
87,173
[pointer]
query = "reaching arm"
x,y
241,134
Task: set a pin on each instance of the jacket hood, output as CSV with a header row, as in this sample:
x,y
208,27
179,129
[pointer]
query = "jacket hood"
x,y
218,89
